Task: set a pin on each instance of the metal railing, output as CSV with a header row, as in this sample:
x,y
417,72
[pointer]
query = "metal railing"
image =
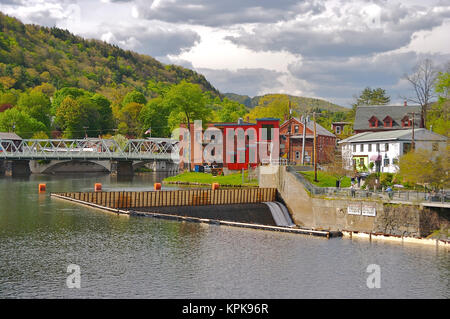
x,y
397,195
99,149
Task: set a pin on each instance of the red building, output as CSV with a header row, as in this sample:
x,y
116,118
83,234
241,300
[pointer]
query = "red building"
x,y
291,142
251,143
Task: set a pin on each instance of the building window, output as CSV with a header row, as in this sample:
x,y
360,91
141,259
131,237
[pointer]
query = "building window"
x,y
296,129
378,147
361,148
267,132
406,147
406,122
297,155
386,147
387,121
395,161
370,148
338,130
373,122
354,147
386,162
435,147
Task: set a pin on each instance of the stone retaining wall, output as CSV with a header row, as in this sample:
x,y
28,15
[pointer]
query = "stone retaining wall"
x,y
322,212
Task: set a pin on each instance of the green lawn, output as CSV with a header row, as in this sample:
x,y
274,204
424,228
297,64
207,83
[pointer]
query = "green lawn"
x,y
205,178
325,180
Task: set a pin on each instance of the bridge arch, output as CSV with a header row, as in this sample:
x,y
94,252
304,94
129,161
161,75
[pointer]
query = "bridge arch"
x,y
70,166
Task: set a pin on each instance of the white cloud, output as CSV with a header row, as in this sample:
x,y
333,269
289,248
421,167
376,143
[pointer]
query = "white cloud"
x,y
318,48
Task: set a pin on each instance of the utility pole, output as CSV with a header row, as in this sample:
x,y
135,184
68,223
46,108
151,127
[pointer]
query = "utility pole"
x,y
315,148
289,135
413,143
304,138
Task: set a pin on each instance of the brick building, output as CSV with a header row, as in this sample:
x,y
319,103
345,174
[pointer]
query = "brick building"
x,y
256,136
291,142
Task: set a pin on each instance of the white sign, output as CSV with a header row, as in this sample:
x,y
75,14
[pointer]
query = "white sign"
x,y
369,211
354,210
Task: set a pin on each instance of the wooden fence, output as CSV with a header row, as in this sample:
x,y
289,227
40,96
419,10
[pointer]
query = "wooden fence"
x,y
174,198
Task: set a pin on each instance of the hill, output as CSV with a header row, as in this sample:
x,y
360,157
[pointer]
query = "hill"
x,y
299,104
31,55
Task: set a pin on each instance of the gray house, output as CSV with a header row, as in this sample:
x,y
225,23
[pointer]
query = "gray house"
x,y
378,118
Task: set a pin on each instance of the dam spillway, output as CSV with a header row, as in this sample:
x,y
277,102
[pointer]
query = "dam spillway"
x,y
233,207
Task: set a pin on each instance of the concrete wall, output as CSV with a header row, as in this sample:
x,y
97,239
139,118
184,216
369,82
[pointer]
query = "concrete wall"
x,y
320,212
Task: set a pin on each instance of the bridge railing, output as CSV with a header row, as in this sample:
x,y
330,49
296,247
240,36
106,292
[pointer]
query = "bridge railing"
x,y
135,149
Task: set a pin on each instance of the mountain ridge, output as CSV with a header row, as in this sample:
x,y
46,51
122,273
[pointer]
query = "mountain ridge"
x,y
299,103
31,55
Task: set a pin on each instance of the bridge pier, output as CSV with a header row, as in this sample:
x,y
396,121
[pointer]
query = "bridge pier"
x,y
16,167
122,168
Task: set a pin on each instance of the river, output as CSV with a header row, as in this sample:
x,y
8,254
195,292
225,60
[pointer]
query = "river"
x,y
132,257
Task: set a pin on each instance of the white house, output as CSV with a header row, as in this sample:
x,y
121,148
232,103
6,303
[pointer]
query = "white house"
x,y
384,148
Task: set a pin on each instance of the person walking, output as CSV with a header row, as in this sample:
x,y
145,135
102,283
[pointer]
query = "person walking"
x,y
390,192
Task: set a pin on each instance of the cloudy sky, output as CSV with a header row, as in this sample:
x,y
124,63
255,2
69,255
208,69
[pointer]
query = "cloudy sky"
x,y
329,49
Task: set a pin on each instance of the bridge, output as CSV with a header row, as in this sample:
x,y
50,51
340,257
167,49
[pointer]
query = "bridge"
x,y
16,154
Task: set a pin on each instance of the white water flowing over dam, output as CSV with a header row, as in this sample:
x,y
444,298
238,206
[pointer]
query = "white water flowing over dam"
x,y
280,214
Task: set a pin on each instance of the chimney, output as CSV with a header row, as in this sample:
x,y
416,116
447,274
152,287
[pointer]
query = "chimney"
x,y
405,103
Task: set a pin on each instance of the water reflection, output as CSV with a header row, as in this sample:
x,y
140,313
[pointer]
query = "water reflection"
x,y
149,258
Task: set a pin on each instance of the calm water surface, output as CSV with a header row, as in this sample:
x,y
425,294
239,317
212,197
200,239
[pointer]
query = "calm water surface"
x,y
122,257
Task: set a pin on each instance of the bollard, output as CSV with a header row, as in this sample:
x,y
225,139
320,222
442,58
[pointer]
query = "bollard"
x,y
157,186
98,187
42,188
215,186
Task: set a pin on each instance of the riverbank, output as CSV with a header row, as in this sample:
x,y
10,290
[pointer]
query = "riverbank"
x,y
206,179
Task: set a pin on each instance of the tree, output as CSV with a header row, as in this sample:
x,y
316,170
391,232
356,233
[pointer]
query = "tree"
x,y
20,122
46,88
106,121
423,80
274,105
438,113
9,97
187,103
231,111
337,168
37,105
424,167
370,96
71,117
155,115
134,96
60,95
129,119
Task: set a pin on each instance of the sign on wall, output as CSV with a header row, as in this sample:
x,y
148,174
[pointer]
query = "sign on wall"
x,y
369,210
354,209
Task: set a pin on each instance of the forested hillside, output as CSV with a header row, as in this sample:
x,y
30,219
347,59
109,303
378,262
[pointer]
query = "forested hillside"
x,y
31,55
301,104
